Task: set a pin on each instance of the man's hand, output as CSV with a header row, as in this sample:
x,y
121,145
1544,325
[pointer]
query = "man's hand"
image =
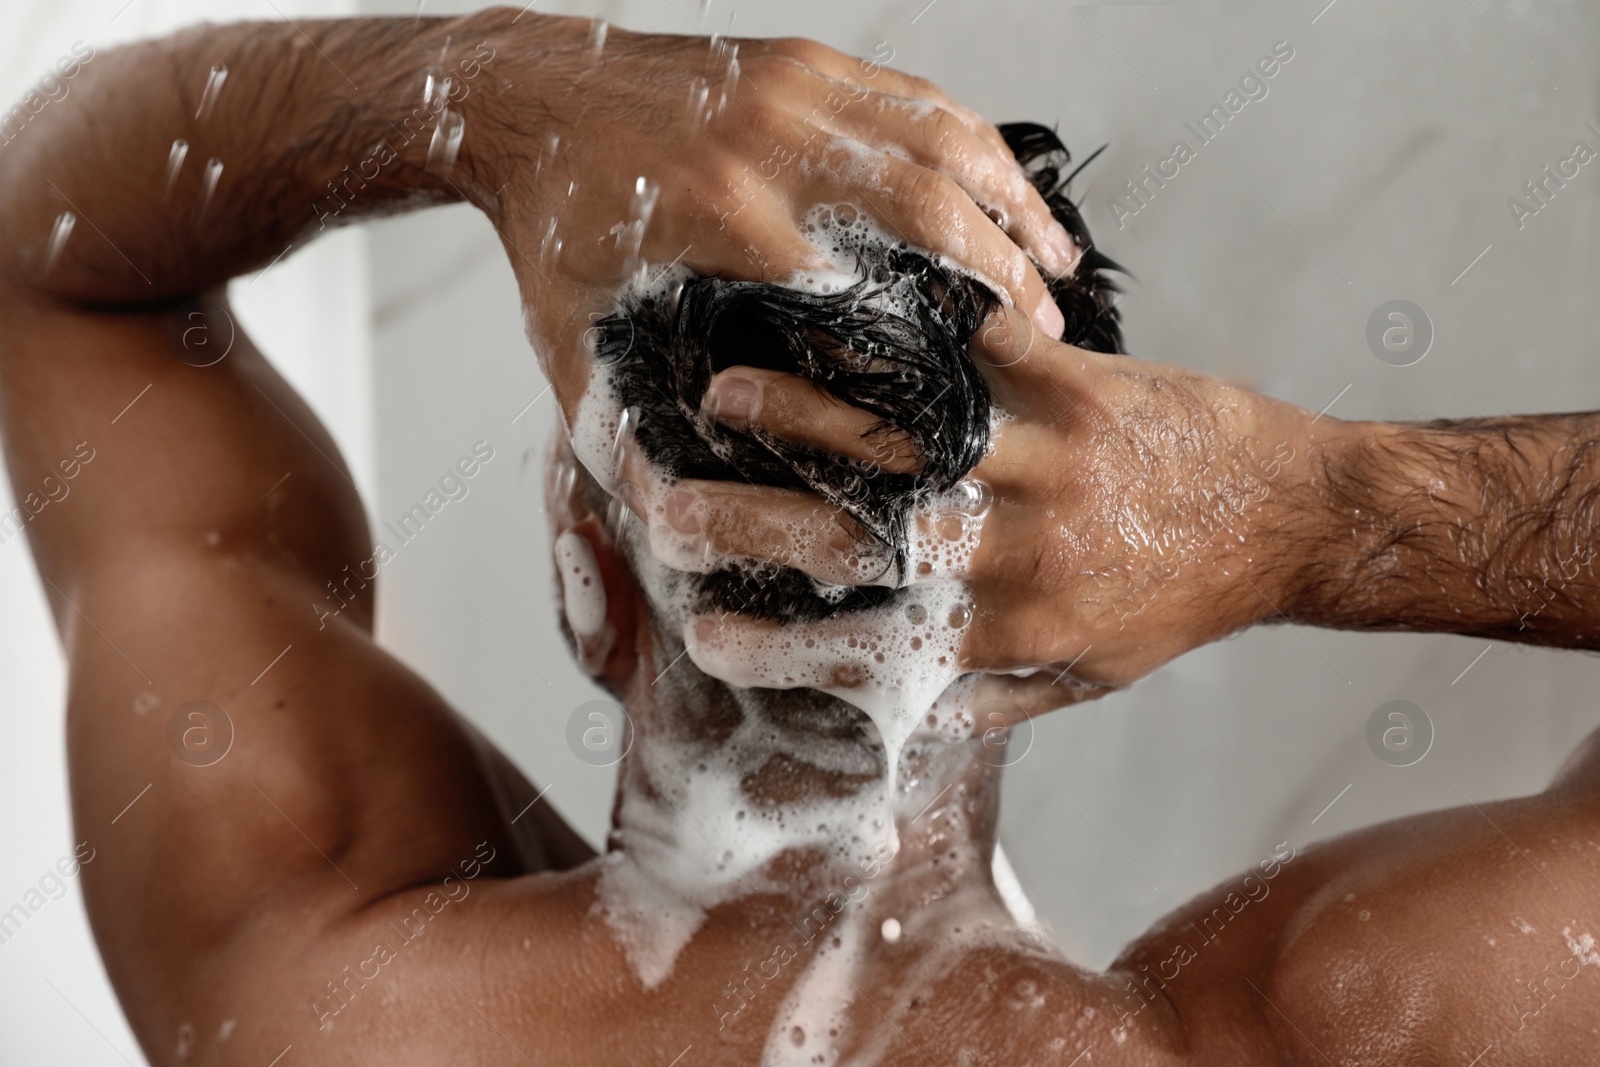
x,y
595,155
647,150
1123,507
1135,511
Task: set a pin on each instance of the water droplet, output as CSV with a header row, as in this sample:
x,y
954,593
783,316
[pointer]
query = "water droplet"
x,y
549,245
436,82
730,76
446,143
547,153
699,101
434,87
891,930
619,444
208,183
213,89
175,157
616,514
959,616
630,235
597,37
58,239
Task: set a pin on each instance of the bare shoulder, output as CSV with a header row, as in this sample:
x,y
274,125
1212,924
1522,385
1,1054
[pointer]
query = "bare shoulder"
x,y
1432,938
1455,932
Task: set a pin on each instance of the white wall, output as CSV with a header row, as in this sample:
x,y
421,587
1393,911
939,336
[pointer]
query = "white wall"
x,y
1389,145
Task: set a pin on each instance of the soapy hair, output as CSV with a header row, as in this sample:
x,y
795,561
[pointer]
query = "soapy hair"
x,y
895,343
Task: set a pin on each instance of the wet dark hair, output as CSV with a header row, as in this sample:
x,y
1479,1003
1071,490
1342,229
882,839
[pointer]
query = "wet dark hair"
x,y
895,343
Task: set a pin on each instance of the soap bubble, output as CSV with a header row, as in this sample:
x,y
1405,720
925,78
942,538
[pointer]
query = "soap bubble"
x,y
971,496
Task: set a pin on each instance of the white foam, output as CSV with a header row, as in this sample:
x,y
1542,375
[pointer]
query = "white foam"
x,y
863,168
583,594
818,1005
689,836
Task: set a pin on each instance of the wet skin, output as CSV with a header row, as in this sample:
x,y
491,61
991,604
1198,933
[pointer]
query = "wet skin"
x,y
356,808
210,902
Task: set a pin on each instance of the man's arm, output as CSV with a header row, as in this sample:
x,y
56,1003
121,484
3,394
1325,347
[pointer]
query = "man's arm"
x,y
1140,510
204,155
1484,527
251,770
216,151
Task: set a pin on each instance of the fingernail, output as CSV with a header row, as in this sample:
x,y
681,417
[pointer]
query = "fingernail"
x,y
1048,318
1065,249
682,513
734,400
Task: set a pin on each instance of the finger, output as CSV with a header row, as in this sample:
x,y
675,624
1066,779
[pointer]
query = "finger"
x,y
910,646
912,87
798,410
928,210
855,72
1006,340
701,521
1012,699
1058,384
754,240
705,519
935,138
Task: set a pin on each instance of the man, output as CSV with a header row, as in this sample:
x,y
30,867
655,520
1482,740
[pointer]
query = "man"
x,y
351,884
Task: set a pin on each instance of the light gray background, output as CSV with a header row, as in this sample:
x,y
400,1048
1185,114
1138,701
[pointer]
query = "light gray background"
x,y
1378,167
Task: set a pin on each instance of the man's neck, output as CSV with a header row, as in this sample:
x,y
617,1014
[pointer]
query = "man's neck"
x,y
732,801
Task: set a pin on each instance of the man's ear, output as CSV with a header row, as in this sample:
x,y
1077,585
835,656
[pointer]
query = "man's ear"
x,y
600,598
601,601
